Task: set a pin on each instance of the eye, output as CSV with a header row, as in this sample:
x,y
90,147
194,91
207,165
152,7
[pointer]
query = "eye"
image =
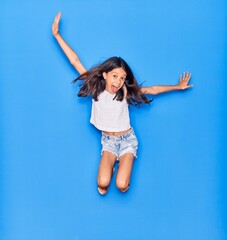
x,y
114,75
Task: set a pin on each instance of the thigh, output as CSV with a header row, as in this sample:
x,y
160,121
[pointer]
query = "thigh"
x,y
125,169
106,166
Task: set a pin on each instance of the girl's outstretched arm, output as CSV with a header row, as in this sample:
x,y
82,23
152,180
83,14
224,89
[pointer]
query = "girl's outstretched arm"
x,y
72,56
182,85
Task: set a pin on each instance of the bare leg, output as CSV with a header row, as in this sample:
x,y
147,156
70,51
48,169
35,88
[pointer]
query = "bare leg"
x,y
124,172
105,171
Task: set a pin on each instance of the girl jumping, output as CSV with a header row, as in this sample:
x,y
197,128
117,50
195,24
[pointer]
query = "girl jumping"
x,y
113,87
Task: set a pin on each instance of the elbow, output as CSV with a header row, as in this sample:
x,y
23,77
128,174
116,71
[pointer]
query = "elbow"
x,y
153,91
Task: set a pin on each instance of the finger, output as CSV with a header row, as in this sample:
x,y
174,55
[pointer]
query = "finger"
x,y
188,76
183,77
58,15
57,18
189,86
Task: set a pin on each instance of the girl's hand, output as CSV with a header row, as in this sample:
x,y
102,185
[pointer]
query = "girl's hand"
x,y
184,80
56,24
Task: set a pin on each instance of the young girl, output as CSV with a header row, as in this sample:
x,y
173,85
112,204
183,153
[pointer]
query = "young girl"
x,y
113,87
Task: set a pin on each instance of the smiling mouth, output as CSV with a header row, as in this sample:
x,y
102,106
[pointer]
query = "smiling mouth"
x,y
114,88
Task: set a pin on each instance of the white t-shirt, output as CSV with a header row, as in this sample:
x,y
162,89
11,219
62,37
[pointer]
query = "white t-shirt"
x,y
110,115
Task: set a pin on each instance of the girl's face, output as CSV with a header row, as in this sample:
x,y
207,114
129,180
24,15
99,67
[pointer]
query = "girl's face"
x,y
115,79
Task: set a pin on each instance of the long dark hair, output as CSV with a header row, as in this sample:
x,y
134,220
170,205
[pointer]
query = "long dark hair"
x,y
94,83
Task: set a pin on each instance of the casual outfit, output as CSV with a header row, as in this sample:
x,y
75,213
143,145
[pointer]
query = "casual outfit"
x,y
119,145
110,115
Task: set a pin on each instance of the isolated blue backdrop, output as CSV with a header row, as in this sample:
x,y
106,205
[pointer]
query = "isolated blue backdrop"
x,y
50,152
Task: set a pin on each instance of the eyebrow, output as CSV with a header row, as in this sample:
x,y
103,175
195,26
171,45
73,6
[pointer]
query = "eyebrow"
x,y
119,74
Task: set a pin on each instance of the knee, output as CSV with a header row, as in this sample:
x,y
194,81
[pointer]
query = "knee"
x,y
103,182
122,185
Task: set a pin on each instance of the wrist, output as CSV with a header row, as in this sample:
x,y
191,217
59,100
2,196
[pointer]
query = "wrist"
x,y
178,87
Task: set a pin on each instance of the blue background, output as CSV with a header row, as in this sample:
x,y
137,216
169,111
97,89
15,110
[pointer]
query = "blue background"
x,y
50,152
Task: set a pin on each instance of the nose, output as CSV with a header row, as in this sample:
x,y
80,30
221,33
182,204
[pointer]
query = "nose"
x,y
118,80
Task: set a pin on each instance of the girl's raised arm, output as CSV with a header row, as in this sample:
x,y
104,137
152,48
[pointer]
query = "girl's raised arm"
x,y
72,56
182,85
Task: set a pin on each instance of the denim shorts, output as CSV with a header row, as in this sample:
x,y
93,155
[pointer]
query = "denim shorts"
x,y
120,145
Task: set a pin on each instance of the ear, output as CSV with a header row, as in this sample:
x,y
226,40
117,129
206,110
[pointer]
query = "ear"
x,y
104,75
